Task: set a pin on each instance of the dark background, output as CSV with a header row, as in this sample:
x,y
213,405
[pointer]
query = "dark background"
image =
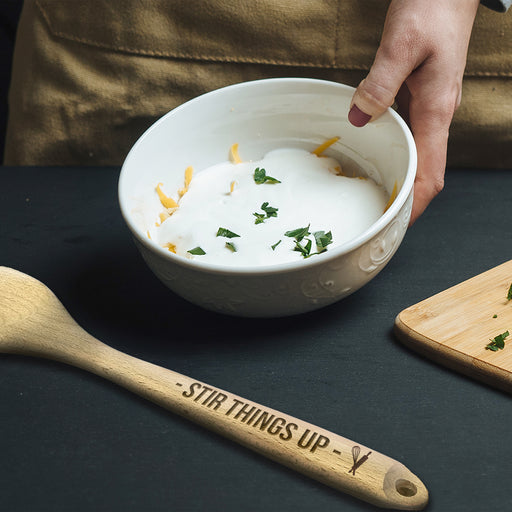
x,y
9,15
71,442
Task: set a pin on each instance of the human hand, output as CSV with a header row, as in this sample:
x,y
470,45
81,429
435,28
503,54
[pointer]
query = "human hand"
x,y
420,65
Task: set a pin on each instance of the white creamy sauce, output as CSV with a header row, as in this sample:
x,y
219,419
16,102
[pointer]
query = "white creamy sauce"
x,y
310,194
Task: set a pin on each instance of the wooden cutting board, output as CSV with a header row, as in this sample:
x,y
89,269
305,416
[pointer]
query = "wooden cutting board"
x,y
454,327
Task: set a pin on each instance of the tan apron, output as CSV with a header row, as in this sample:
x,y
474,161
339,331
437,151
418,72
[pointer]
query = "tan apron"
x,y
90,77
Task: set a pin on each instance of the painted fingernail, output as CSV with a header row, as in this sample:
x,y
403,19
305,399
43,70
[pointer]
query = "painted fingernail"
x,y
357,117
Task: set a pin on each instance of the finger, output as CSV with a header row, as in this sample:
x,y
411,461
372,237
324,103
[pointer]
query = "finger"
x,y
402,102
431,146
374,95
425,191
393,63
430,126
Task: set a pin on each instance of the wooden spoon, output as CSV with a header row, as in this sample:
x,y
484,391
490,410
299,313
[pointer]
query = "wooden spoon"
x,y
34,322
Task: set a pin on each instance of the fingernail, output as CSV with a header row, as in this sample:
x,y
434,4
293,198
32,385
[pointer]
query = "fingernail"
x,y
357,117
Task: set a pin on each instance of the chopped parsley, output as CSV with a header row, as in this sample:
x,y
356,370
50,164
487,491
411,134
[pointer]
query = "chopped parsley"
x,y
270,211
197,251
260,177
275,245
509,294
231,246
305,250
322,240
495,316
498,342
226,233
298,233
260,217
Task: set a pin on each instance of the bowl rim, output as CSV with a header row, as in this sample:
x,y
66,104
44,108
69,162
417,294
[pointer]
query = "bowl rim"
x,y
284,267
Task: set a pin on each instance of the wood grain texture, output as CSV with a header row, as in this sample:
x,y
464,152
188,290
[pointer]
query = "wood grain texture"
x,y
453,327
34,322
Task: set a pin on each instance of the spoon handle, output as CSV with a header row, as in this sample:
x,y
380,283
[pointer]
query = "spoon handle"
x,y
306,448
40,326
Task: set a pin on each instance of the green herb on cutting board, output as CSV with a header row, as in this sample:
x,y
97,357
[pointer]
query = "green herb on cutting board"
x,y
509,294
498,342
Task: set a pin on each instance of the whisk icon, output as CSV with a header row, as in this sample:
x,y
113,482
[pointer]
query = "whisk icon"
x,y
356,450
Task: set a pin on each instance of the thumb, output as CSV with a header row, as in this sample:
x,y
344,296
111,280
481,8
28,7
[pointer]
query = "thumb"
x,y
377,92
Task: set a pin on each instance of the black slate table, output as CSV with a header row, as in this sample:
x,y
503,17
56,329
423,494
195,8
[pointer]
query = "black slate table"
x,y
70,441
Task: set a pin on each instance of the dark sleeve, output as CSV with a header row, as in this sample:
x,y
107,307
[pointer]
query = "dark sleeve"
x,y
497,5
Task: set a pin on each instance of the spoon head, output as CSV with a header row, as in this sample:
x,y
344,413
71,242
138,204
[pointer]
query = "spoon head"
x,y
22,300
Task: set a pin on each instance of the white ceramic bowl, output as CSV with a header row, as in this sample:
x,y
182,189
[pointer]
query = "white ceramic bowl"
x,y
263,115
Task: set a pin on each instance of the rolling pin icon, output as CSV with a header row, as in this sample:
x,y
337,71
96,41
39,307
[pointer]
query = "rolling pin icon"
x,y
356,450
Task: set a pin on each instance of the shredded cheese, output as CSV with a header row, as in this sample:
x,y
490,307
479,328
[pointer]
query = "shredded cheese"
x,y
233,154
164,215
232,186
170,247
167,202
392,197
320,149
189,171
